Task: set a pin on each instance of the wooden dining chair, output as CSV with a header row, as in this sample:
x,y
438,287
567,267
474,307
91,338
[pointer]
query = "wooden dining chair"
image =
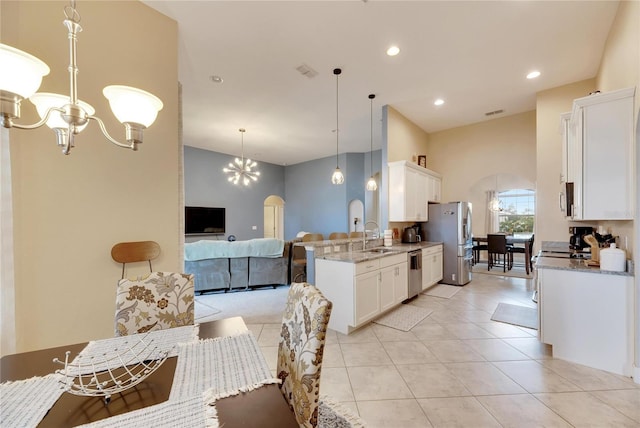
x,y
157,301
304,327
338,235
131,252
299,257
356,234
476,251
527,263
496,247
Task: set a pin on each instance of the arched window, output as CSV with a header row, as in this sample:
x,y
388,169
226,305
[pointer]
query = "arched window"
x,y
517,211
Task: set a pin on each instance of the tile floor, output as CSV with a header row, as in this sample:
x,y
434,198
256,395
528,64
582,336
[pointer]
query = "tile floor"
x,y
457,368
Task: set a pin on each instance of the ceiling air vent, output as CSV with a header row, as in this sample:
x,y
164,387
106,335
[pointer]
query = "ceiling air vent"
x,y
305,70
493,113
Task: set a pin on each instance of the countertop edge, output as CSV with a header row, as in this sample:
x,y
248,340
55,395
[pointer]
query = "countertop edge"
x,y
358,256
574,265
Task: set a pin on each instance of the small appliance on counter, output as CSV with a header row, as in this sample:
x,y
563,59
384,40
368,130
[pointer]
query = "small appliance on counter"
x,y
410,235
576,241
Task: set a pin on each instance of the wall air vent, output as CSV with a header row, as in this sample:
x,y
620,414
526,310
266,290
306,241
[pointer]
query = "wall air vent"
x,y
493,113
305,70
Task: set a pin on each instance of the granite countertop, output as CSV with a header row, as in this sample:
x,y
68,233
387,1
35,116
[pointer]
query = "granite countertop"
x,y
357,256
577,265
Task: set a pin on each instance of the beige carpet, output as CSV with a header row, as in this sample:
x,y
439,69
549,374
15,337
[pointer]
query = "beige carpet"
x,y
257,306
444,291
404,317
522,316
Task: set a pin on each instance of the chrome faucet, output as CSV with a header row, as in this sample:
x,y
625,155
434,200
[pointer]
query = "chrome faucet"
x,y
364,233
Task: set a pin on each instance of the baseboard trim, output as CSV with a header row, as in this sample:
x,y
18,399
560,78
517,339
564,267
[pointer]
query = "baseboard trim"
x,y
636,374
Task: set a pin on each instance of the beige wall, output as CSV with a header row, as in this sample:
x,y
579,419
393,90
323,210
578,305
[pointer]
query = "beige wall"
x,y
470,157
620,66
404,138
70,210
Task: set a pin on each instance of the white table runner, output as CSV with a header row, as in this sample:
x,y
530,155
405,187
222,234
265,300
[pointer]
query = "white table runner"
x,y
220,367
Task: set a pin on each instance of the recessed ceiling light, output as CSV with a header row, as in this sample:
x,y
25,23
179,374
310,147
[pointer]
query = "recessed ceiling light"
x,y
216,79
533,74
393,51
438,102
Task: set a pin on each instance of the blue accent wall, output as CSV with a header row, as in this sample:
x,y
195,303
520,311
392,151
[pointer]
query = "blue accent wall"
x,y
205,184
312,202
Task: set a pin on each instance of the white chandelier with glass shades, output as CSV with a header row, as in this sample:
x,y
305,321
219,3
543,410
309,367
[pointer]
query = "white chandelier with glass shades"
x,y
21,75
242,171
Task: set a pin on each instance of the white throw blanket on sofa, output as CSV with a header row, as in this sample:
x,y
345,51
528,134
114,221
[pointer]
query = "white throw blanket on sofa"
x,y
260,247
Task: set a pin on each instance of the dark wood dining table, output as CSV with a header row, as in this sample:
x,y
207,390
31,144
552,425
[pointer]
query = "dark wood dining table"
x,y
511,239
261,407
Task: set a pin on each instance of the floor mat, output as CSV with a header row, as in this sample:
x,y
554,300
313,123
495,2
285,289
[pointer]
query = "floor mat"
x,y
522,316
404,317
444,291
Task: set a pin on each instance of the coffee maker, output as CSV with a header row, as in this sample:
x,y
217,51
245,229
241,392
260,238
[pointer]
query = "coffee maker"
x,y
576,241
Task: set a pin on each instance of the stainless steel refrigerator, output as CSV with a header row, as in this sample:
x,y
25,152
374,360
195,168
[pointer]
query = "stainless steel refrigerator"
x,y
451,224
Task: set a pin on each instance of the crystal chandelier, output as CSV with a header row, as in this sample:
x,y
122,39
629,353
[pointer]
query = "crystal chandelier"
x,y
495,204
337,177
241,170
21,75
372,186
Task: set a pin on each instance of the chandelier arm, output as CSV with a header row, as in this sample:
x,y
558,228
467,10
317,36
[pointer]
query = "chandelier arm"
x,y
132,145
41,122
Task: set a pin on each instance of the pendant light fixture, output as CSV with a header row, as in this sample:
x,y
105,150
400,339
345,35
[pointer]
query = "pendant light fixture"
x,y
241,170
21,75
372,186
337,177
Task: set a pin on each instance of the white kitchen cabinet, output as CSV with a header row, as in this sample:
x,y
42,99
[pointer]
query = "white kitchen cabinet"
x,y
361,291
367,296
431,266
587,317
434,188
411,187
394,277
600,156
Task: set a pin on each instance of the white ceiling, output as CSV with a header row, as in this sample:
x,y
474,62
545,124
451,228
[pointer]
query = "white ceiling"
x,y
474,55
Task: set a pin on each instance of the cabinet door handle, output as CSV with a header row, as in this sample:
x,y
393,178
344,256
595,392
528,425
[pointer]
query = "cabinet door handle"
x,y
562,209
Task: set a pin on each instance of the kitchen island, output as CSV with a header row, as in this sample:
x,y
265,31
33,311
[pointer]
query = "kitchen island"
x,y
364,284
586,314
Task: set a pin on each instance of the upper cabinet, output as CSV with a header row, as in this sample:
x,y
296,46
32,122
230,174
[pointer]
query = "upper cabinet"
x,y
598,156
411,188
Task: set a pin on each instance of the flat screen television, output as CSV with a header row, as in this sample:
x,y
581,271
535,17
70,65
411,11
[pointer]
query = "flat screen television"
x,y
204,221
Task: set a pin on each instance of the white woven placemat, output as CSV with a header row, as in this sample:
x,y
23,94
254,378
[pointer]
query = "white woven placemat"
x,y
126,350
185,413
23,403
222,367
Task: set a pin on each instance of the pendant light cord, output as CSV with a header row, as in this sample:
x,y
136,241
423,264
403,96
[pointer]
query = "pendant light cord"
x,y
337,72
371,97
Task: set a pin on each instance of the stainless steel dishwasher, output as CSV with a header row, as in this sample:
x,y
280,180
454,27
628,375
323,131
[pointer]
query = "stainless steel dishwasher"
x,y
415,272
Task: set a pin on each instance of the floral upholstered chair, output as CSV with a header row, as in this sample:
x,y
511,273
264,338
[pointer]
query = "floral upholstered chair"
x,y
158,301
304,327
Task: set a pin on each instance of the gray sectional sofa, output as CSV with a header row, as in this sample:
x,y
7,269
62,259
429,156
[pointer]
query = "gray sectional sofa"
x,y
222,265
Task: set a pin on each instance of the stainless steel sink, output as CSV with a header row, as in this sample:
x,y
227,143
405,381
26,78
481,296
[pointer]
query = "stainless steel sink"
x,y
379,250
